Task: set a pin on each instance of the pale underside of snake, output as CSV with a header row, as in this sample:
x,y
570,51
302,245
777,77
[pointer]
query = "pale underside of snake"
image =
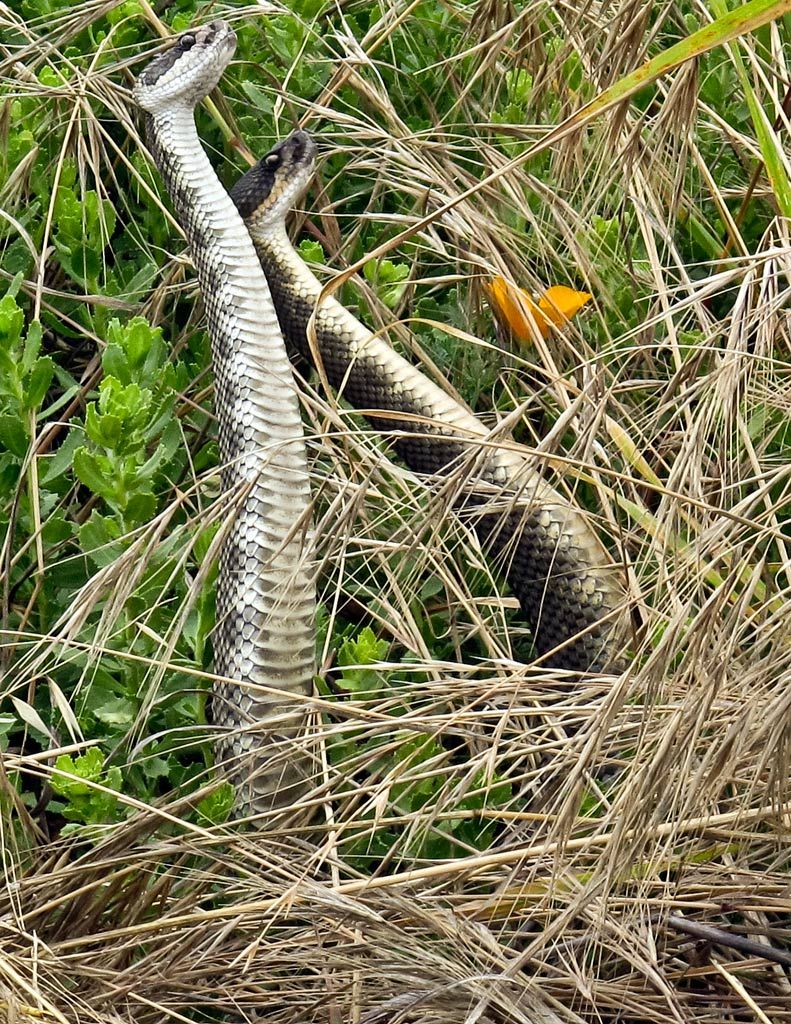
x,y
265,632
569,589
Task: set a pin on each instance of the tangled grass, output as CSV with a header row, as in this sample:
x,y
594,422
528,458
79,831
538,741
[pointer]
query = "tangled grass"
x,y
487,839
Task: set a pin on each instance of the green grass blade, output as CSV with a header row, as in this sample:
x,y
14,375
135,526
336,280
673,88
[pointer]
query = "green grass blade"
x,y
724,29
771,151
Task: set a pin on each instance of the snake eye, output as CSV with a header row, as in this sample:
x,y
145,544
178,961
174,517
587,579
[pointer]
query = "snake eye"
x,y
272,160
187,41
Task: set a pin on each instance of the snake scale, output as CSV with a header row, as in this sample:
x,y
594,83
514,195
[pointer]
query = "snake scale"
x,y
568,587
266,592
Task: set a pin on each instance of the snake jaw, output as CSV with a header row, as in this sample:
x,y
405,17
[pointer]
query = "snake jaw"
x,y
269,190
189,70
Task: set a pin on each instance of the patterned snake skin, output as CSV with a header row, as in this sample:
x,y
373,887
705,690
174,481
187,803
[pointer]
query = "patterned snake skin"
x,y
568,587
266,584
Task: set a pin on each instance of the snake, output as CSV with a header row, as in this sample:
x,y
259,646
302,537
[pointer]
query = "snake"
x,y
568,587
264,638
261,304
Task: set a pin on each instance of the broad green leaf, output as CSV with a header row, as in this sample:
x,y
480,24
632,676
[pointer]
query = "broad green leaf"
x,y
103,429
37,384
115,364
98,538
32,345
56,465
311,251
13,435
91,471
12,320
116,711
140,507
217,806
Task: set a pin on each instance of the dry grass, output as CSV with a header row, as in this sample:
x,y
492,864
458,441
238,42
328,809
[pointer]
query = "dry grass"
x,y
564,916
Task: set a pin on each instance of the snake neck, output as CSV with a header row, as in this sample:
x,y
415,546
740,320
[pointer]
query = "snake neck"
x,y
295,289
247,350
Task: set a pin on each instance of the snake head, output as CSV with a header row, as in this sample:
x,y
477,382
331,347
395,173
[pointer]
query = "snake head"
x,y
188,71
268,191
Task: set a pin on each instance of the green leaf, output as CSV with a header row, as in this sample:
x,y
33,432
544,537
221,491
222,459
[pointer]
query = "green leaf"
x,y
13,286
13,435
140,283
59,463
385,275
37,384
204,541
365,649
139,339
12,320
165,450
217,806
355,654
105,430
155,768
7,724
116,711
263,101
32,345
140,508
115,364
78,786
312,252
519,85
91,471
99,538
385,271
56,529
88,766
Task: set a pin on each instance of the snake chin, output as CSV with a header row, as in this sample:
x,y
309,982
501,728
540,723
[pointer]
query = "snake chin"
x,y
189,70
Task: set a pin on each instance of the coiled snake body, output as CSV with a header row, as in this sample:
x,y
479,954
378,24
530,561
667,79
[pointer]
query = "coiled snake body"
x,y
265,631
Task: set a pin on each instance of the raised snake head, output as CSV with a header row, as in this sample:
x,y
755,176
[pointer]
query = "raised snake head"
x,y
188,71
269,190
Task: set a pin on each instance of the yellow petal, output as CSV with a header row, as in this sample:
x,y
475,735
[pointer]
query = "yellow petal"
x,y
560,304
515,307
522,315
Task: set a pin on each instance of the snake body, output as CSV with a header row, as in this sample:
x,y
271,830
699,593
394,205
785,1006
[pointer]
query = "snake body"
x,y
266,582
567,585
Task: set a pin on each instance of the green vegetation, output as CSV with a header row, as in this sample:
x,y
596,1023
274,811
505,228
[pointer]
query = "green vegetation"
x,y
602,804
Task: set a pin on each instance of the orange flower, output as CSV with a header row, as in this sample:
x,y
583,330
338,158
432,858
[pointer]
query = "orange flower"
x,y
518,311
